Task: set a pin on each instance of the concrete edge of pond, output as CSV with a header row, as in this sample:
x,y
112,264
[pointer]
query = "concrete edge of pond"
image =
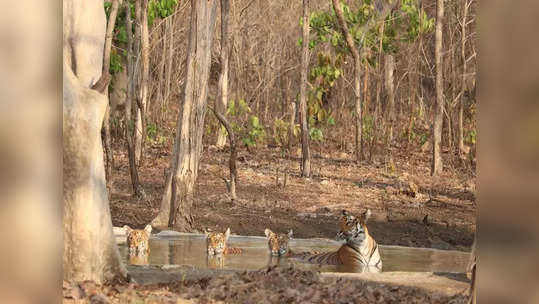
x,y
446,283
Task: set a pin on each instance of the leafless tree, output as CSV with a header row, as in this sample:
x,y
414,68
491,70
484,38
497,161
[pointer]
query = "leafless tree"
x,y
305,149
129,110
177,198
222,102
231,184
437,164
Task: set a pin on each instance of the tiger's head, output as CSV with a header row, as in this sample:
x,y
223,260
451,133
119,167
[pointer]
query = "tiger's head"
x,y
137,240
353,228
216,242
278,242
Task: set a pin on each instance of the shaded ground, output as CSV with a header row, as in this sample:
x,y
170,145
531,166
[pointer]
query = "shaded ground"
x,y
410,207
271,285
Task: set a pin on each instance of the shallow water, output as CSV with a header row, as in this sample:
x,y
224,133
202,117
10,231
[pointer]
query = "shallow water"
x,y
171,248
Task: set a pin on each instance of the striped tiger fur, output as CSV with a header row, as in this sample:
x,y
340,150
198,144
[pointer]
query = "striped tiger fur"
x,y
278,242
138,245
360,249
216,243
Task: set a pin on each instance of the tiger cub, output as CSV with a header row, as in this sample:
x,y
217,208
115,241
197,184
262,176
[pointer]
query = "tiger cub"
x,y
278,242
359,250
216,243
138,244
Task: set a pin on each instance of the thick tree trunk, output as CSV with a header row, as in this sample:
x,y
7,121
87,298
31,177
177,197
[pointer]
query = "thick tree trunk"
x,y
437,165
90,251
305,149
178,195
222,102
106,66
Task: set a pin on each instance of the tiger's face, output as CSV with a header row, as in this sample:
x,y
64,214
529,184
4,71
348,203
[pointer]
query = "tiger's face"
x,y
353,228
216,242
278,242
138,240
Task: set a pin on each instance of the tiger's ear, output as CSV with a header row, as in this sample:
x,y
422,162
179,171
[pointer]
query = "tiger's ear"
x,y
290,233
227,233
345,213
148,229
127,229
366,215
268,232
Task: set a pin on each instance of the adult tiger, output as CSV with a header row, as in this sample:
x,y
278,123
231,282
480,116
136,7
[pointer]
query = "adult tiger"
x,y
360,250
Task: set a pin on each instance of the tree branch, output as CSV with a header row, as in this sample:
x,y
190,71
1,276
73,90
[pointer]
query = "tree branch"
x,y
232,162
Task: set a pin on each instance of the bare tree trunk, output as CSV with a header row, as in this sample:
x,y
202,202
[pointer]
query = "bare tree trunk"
x,y
379,80
130,123
178,195
463,78
437,165
161,72
291,126
358,109
222,102
382,13
389,61
141,7
357,78
305,149
170,26
413,83
231,185
366,95
454,81
378,112
109,157
90,251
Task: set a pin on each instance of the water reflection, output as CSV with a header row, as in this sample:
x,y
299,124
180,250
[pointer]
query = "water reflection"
x,y
215,261
190,249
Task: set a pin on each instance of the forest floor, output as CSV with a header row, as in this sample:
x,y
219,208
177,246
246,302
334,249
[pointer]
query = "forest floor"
x,y
270,285
410,207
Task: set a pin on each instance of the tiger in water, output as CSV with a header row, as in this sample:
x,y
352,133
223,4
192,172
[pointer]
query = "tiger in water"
x,y
138,244
278,242
360,250
216,243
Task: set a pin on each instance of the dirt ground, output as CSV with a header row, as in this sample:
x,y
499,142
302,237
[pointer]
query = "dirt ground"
x,y
410,207
271,285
